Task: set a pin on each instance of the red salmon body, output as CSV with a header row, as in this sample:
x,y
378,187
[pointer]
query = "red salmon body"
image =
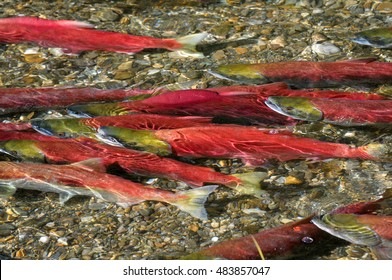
x,y
355,112
309,74
75,37
20,100
253,145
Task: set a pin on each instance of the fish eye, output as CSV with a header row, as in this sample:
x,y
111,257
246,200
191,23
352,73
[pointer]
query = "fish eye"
x,y
307,240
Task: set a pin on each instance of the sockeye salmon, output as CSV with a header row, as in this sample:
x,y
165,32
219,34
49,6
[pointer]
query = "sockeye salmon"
x,y
292,240
343,112
370,230
75,127
15,100
75,37
307,74
243,108
377,37
254,146
29,147
78,179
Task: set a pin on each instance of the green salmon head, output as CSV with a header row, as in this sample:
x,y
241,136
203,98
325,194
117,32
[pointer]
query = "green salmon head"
x,y
99,109
63,128
295,107
245,73
347,227
22,150
378,37
144,140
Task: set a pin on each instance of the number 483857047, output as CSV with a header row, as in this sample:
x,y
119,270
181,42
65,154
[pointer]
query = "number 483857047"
x,y
246,270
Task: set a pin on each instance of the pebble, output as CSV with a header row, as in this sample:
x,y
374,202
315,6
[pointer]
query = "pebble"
x,y
153,230
44,239
86,219
325,48
291,180
214,224
62,241
278,42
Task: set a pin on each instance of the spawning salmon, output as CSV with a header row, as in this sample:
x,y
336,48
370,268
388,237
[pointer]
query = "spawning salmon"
x,y
79,179
75,37
292,240
254,146
308,74
374,231
15,100
376,37
343,112
33,147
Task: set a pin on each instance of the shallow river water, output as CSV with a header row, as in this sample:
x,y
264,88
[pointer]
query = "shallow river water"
x,y
34,225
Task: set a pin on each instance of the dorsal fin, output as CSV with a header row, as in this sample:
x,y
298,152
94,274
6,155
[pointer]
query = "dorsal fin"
x,y
92,164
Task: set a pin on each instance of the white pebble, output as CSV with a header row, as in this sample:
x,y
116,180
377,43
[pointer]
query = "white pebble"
x,y
44,239
31,51
62,241
325,48
215,239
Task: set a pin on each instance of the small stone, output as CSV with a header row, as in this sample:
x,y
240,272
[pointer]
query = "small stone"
x,y
44,239
317,11
86,219
219,55
124,75
107,15
194,228
241,50
159,245
278,42
62,241
325,48
215,239
33,58
214,224
125,66
318,37
291,180
286,221
20,253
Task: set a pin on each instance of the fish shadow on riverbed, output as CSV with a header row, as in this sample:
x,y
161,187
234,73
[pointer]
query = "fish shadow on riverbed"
x,y
207,49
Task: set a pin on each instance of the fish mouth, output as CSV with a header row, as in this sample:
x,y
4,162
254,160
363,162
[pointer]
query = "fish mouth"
x,y
142,140
360,40
295,107
42,127
346,226
55,127
77,111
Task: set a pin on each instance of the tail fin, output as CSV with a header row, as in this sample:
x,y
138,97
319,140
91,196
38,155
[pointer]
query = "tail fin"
x,y
192,201
189,45
381,152
250,183
6,190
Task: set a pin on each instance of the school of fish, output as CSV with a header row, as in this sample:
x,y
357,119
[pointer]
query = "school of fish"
x,y
149,133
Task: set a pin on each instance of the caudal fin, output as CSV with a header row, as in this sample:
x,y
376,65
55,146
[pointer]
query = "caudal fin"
x,y
189,43
380,152
250,183
192,201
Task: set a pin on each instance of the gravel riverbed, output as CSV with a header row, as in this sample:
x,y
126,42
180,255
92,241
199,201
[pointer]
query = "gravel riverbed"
x,y
34,225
